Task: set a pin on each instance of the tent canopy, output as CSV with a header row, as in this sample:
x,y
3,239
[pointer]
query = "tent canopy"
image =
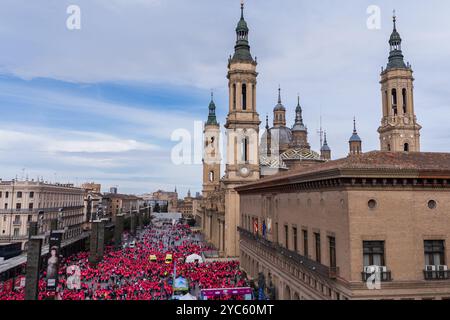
x,y
193,257
187,296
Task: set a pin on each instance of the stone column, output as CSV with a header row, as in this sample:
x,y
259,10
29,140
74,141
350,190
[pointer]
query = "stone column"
x,y
140,220
133,224
118,230
33,229
32,268
93,242
101,240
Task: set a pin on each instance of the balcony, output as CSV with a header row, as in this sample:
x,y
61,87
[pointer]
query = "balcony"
x,y
437,274
296,258
384,276
17,223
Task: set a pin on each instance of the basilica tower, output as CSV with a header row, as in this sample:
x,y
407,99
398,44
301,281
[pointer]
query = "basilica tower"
x,y
242,131
399,130
211,156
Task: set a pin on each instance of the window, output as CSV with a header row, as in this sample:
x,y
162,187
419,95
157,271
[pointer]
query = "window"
x,y
406,147
245,149
286,233
244,97
332,247
234,96
6,206
6,194
29,218
317,244
276,233
434,252
16,232
432,204
19,194
404,100
372,204
305,243
31,195
30,206
394,102
18,206
373,252
0,194
211,176
294,233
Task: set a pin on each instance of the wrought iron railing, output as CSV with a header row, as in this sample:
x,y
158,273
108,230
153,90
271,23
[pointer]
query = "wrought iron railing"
x,y
295,257
436,274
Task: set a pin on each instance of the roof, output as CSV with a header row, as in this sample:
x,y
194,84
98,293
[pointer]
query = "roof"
x,y
413,164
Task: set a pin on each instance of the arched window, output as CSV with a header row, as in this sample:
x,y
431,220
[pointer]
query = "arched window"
x,y
404,100
389,147
406,147
253,97
394,102
211,176
244,97
245,149
234,96
386,103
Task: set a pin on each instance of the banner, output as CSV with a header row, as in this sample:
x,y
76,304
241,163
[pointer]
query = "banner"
x,y
255,226
53,260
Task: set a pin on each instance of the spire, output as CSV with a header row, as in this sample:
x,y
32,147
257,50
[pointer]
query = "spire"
x,y
279,106
267,122
325,146
395,42
354,137
298,125
242,48
212,120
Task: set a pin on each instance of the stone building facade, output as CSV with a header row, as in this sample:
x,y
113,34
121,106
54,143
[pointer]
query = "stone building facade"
x,y
373,225
21,201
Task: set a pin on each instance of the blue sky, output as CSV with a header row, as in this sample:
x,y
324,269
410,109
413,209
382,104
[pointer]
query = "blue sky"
x,y
100,103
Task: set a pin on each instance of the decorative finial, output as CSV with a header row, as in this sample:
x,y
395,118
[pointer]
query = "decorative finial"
x,y
298,99
325,138
267,121
394,18
212,95
242,9
279,94
354,124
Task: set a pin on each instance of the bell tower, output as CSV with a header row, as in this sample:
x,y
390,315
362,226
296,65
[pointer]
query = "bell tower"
x,y
211,156
242,133
243,121
399,130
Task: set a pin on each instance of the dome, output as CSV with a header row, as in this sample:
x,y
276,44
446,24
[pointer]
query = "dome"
x,y
284,135
279,107
395,37
355,138
299,127
242,25
300,154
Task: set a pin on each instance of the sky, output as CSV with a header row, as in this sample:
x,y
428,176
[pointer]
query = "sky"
x,y
101,103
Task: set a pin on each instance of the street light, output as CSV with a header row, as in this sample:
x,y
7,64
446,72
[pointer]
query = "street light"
x,y
40,221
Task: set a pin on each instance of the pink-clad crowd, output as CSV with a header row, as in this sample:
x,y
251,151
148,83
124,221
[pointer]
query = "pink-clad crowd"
x,y
129,273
